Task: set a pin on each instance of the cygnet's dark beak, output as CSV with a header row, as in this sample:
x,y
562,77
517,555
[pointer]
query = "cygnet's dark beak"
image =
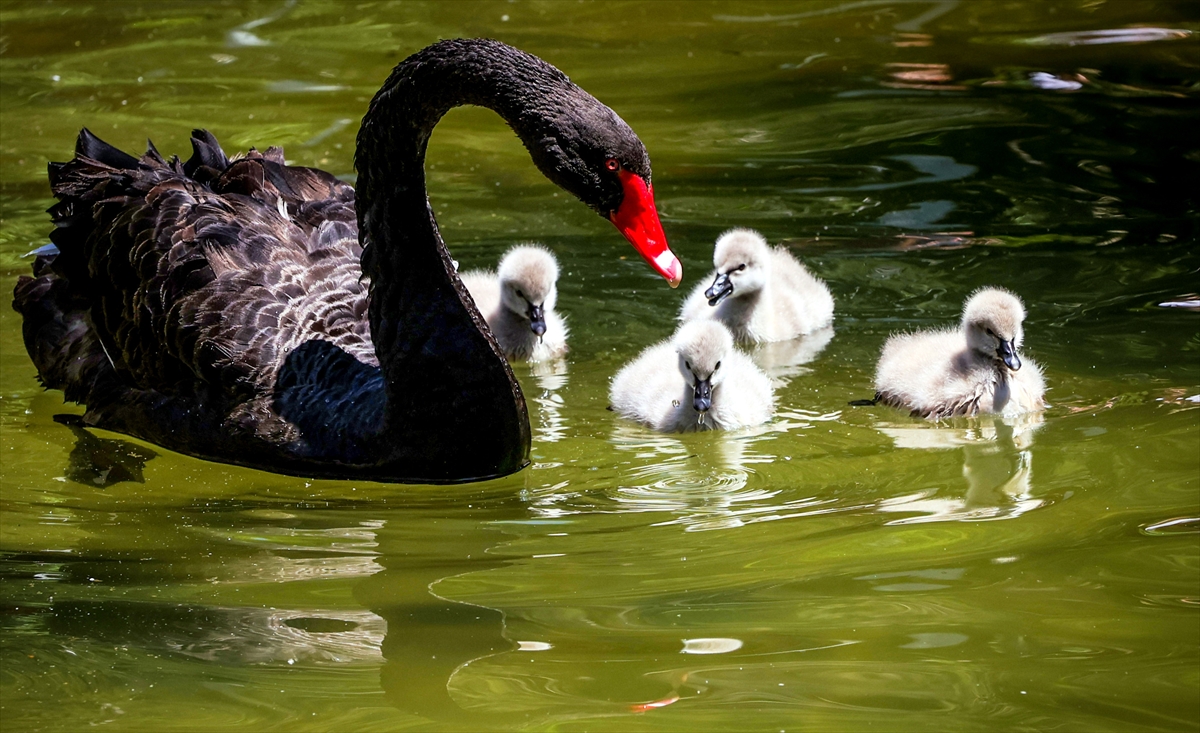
x,y
1009,355
702,399
720,290
537,319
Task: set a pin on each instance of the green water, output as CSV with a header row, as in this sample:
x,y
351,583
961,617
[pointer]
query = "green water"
x,y
841,568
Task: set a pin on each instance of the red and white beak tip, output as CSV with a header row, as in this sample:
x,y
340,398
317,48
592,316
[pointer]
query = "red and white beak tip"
x,y
637,220
669,266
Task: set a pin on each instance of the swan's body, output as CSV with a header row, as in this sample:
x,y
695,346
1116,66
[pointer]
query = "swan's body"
x,y
966,371
518,303
760,293
696,380
228,309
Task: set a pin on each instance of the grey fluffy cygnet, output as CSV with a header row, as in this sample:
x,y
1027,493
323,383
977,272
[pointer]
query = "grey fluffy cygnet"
x,y
760,293
976,368
696,380
517,301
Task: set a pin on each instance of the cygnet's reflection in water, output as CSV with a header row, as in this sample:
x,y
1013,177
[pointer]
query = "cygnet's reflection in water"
x,y
703,478
783,360
997,464
550,378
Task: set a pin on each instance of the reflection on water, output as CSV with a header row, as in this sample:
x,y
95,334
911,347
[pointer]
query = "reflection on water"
x,y
243,36
223,635
783,360
703,481
96,461
432,639
997,464
706,488
550,378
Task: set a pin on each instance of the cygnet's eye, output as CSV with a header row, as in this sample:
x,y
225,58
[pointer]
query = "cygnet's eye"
x,y
990,332
520,294
612,164
688,364
741,267
718,366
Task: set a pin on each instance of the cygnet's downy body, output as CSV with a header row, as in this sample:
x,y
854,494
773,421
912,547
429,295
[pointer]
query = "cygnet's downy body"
x,y
974,369
517,301
696,380
760,293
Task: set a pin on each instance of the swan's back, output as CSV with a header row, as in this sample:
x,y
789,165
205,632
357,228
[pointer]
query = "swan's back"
x,y
188,284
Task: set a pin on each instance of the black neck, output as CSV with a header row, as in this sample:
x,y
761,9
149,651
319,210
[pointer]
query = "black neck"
x,y
451,395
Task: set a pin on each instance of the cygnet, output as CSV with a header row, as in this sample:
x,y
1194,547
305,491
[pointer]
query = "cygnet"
x,y
761,293
517,301
696,380
974,369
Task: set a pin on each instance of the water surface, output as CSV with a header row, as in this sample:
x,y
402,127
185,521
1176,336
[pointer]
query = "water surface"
x,y
837,569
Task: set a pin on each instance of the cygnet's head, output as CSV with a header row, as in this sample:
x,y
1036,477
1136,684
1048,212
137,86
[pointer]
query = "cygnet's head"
x,y
528,275
701,346
992,321
742,260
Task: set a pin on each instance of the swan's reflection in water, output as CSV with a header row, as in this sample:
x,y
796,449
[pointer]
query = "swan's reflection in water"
x,y
436,646
231,636
783,360
430,642
252,554
103,462
418,640
997,464
550,378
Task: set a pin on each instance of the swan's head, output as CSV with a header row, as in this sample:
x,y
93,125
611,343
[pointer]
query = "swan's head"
x,y
742,259
528,276
702,345
992,321
588,150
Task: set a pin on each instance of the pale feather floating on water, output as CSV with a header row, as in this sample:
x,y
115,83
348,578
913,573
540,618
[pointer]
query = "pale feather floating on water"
x,y
710,645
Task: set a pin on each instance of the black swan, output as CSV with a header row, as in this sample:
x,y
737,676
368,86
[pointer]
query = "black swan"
x,y
270,316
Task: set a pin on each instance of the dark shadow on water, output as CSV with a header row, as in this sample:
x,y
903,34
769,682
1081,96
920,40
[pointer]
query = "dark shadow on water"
x,y
103,462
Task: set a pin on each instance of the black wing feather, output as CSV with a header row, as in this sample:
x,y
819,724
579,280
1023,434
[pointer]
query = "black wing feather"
x,y
212,270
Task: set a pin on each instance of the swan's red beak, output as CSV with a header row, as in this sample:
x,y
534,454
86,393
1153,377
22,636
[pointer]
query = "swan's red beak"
x,y
638,220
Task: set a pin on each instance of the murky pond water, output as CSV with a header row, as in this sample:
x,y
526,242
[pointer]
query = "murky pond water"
x,y
837,569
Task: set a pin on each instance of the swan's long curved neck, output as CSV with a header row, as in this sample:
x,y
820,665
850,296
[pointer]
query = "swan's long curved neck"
x,y
441,364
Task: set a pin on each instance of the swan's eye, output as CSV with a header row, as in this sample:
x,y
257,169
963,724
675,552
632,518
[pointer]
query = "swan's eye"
x,y
612,164
520,294
688,364
718,366
741,267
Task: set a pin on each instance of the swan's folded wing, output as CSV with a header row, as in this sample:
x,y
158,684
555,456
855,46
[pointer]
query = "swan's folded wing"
x,y
199,275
